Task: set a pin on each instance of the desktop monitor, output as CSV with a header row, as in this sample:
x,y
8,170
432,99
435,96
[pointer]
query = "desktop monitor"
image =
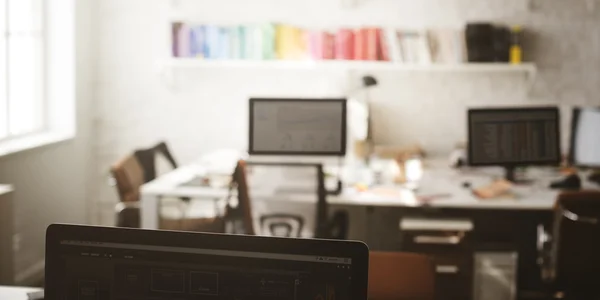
x,y
512,137
297,127
585,138
97,263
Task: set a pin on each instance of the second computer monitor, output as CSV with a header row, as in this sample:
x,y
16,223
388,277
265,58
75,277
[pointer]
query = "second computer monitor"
x,y
512,137
297,127
585,137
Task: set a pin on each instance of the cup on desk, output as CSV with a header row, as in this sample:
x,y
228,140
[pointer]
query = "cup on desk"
x,y
411,170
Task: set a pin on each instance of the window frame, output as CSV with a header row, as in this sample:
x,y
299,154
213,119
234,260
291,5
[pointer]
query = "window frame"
x,y
60,86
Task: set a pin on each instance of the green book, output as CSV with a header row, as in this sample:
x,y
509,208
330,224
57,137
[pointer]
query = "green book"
x,y
268,41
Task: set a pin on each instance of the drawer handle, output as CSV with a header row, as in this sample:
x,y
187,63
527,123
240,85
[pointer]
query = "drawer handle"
x,y
447,269
438,240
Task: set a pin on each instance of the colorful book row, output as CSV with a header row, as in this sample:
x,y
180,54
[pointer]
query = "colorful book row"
x,y
285,42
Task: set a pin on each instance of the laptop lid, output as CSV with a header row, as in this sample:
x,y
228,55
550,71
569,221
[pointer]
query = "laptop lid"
x,y
94,263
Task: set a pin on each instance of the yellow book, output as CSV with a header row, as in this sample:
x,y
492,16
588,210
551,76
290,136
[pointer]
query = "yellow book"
x,y
290,42
282,41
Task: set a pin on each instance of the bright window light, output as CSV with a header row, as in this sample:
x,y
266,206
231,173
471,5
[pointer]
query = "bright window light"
x,y
21,68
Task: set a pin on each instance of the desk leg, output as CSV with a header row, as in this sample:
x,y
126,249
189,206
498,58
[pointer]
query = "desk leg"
x,y
149,211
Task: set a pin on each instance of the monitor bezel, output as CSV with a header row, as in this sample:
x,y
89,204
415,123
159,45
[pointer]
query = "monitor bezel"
x,y
341,152
55,233
553,162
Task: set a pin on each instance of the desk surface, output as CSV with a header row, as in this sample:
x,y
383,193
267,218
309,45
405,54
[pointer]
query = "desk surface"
x,y
15,293
440,187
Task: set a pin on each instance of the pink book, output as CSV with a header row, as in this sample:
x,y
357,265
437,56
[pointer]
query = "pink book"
x,y
349,54
315,44
344,44
371,44
328,45
360,44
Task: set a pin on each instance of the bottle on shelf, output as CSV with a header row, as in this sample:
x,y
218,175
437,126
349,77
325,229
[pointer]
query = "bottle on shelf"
x,y
516,51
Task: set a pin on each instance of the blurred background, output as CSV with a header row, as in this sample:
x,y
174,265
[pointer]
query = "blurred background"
x,y
83,83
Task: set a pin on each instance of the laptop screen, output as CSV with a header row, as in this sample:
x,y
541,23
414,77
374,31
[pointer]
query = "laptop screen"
x,y
99,270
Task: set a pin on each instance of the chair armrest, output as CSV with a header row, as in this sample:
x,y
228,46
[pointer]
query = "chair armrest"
x,y
544,243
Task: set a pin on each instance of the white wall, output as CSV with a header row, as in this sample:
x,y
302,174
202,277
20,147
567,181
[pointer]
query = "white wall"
x,y
51,181
206,109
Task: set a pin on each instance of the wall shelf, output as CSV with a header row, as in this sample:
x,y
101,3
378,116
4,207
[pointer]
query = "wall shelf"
x,y
171,66
177,63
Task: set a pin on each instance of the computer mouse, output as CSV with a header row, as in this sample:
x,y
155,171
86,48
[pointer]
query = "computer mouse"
x,y
571,182
594,177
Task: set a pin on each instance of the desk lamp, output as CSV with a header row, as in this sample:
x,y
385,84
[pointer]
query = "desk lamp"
x,y
360,117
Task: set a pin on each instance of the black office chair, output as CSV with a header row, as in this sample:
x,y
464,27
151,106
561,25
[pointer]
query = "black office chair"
x,y
147,159
571,256
284,224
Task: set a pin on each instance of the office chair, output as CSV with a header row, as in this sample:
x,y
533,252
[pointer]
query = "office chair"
x,y
147,159
240,215
290,224
571,255
129,177
241,218
397,275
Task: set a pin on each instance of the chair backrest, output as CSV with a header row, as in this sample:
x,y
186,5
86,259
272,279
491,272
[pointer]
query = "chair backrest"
x,y
397,275
147,159
335,228
575,259
243,211
163,149
129,177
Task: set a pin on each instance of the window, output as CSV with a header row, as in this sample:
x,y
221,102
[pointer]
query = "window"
x,y
22,96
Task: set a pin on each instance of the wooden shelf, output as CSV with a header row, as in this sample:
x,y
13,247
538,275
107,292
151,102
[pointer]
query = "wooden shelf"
x,y
528,68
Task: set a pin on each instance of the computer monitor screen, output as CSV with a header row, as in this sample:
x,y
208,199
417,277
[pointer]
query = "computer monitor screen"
x,y
108,267
585,137
514,136
297,127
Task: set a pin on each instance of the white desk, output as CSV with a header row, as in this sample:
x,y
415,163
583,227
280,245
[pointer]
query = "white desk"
x,y
438,180
16,293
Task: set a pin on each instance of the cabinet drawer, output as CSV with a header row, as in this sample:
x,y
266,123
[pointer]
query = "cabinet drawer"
x,y
434,241
454,273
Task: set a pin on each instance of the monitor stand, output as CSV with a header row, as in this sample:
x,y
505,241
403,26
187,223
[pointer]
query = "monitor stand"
x,y
509,173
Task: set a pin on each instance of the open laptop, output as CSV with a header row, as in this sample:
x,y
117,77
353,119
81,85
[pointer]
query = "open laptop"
x,y
97,263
